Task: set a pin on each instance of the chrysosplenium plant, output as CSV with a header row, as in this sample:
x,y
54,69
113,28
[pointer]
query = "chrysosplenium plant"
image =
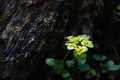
x,y
76,46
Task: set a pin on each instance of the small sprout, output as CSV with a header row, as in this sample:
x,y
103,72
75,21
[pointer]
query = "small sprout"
x,y
26,54
93,72
12,59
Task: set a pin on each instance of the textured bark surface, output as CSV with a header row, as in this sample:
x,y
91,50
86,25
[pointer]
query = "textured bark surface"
x,y
39,27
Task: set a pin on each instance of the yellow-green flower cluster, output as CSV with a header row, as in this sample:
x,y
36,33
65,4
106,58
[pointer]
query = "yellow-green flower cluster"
x,y
78,44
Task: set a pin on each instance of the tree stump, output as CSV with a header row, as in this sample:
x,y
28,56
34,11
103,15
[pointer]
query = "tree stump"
x,y
38,28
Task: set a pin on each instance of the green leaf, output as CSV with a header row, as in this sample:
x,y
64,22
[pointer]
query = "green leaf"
x,y
50,62
98,57
83,67
26,54
111,76
70,63
80,58
59,67
118,7
65,73
90,45
69,78
93,72
85,37
12,59
111,66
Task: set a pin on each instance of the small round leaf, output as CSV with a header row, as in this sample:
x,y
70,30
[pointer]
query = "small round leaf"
x,y
65,73
50,62
70,63
93,72
83,67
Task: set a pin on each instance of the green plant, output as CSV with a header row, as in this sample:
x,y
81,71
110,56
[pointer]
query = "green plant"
x,y
118,7
79,46
106,65
98,57
110,65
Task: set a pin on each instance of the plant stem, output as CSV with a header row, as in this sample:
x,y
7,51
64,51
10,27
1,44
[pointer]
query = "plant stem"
x,y
50,75
59,64
66,56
